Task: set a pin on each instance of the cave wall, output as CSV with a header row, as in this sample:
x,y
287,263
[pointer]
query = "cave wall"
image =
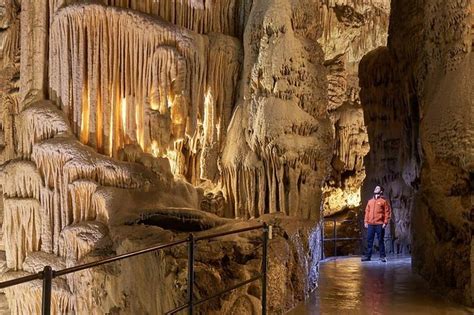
x,y
336,34
83,177
391,115
163,87
9,76
424,78
277,164
350,30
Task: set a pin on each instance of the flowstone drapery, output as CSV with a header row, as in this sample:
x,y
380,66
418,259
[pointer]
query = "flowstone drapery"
x,y
101,148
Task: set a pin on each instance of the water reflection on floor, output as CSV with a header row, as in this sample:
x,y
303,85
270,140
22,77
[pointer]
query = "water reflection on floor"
x,y
349,286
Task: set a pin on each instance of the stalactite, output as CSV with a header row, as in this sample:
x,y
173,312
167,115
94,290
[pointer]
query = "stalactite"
x,y
351,140
223,75
41,120
22,180
22,229
33,42
80,239
81,198
26,298
151,86
201,16
170,97
276,171
63,163
124,43
10,35
353,27
8,110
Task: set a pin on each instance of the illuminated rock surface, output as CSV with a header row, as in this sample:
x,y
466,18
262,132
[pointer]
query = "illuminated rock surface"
x,y
126,123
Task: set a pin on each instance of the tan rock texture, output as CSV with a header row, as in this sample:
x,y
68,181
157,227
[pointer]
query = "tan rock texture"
x,y
350,30
280,133
392,117
126,78
9,76
125,123
117,113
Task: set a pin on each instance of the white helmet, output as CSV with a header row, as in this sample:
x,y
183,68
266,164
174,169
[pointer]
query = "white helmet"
x,y
378,189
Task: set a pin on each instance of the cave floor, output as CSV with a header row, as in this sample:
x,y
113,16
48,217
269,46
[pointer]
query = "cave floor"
x,y
349,286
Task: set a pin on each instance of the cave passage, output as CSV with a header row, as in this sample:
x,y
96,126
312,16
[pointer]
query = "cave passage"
x,y
349,286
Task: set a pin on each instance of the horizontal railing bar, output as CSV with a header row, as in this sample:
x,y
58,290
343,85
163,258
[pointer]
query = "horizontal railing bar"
x,y
342,239
341,221
206,237
116,258
21,280
69,270
241,284
182,307
350,238
238,285
176,310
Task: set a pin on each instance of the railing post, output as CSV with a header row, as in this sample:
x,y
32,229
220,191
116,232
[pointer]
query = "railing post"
x,y
47,286
322,239
361,235
264,268
335,238
191,243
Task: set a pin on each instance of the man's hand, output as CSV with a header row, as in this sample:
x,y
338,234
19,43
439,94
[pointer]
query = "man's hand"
x,y
384,225
366,225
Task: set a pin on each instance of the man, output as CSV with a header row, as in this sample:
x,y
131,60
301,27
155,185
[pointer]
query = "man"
x,y
377,216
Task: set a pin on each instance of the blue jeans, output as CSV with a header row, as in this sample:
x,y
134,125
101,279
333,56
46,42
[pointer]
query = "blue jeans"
x,y
375,229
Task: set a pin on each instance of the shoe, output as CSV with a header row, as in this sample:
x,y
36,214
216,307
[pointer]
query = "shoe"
x,y
383,259
365,259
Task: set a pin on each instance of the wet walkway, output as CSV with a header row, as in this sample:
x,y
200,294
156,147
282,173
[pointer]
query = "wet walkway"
x,y
348,286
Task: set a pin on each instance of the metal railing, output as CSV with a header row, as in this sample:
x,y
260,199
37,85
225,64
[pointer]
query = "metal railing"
x,y
48,274
334,238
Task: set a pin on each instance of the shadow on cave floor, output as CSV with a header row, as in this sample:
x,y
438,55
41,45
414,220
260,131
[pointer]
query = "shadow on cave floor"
x,y
349,286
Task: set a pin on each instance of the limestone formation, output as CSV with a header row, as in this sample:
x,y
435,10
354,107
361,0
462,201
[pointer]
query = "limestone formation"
x,y
128,123
9,75
277,163
138,107
394,160
147,82
350,30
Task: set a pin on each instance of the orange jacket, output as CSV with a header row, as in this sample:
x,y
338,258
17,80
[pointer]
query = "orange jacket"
x,y
378,211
